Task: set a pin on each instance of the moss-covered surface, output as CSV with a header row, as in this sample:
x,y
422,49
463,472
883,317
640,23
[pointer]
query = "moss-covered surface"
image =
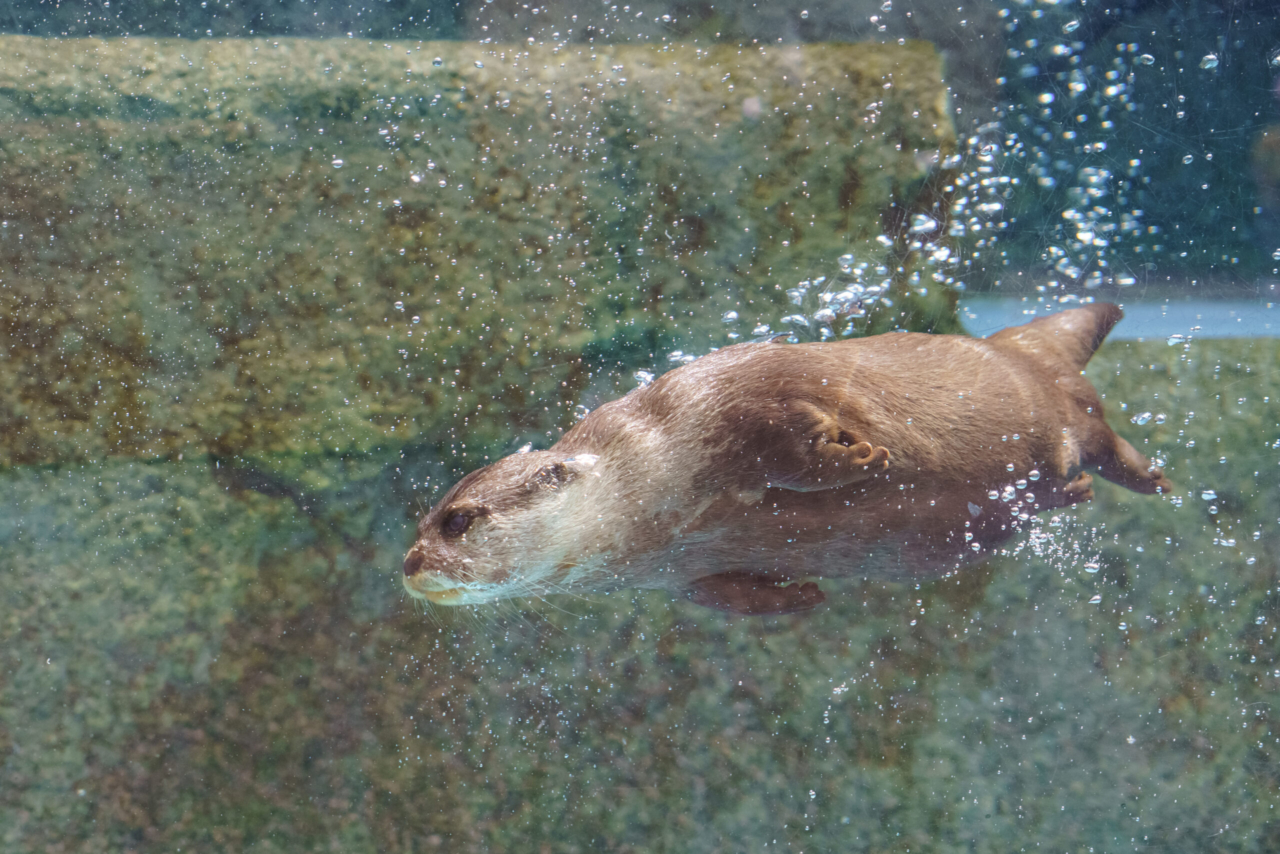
x,y
186,663
263,247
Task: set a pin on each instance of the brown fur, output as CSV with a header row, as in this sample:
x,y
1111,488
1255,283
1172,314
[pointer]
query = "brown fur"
x,y
763,463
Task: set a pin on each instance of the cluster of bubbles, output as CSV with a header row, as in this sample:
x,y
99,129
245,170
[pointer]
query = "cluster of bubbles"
x,y
931,254
834,305
1050,150
1061,541
1063,132
1056,174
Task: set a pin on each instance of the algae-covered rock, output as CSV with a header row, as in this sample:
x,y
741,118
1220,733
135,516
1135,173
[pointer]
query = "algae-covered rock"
x,y
183,668
267,246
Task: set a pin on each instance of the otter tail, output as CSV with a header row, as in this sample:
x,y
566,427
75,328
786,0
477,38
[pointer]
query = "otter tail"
x,y
1068,338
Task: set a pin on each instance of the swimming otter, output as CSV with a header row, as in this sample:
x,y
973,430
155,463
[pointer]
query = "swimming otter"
x,y
899,456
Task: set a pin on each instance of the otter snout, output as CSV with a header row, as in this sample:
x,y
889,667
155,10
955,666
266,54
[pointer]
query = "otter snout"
x,y
413,563
425,578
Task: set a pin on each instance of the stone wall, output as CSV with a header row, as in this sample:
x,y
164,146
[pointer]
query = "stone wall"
x,y
266,246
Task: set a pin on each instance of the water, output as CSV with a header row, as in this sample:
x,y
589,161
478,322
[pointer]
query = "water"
x,y
1142,321
271,283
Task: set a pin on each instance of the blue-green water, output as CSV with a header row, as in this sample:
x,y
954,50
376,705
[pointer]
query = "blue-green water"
x,y
1143,321
264,298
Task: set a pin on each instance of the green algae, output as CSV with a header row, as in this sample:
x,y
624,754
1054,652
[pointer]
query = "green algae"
x,y
279,246
219,669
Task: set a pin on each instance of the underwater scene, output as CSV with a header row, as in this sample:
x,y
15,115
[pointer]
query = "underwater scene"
x,y
275,275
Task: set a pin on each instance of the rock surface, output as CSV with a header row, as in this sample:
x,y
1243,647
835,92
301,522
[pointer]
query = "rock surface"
x,y
286,246
183,667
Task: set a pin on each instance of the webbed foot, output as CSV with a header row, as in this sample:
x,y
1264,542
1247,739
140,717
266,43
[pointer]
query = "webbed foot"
x,y
1078,489
1127,466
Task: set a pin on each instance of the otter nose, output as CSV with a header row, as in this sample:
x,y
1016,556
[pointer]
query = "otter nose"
x,y
413,563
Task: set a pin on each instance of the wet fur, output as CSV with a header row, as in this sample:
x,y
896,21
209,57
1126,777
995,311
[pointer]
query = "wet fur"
x,y
767,462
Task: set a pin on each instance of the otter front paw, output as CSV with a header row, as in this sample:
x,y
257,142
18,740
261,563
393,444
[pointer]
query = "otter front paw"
x,y
851,461
831,463
755,595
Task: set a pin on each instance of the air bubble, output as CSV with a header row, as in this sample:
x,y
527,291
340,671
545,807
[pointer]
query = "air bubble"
x,y
1209,495
923,223
1141,418
437,62
1209,62
1071,26
337,163
805,14
1147,59
1096,598
729,316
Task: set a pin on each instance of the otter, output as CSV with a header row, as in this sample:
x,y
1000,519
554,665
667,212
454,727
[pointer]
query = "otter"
x,y
733,479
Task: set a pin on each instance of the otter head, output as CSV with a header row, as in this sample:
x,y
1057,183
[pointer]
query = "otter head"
x,y
502,531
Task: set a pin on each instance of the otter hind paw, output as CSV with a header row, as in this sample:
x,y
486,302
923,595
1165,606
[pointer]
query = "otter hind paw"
x,y
1127,466
1078,490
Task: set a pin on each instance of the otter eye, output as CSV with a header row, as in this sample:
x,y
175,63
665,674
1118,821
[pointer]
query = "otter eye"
x,y
456,524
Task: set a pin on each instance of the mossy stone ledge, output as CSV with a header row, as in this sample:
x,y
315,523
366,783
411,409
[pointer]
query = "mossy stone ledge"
x,y
284,246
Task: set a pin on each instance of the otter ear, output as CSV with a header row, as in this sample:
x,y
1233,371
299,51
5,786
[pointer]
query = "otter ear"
x,y
550,476
555,475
